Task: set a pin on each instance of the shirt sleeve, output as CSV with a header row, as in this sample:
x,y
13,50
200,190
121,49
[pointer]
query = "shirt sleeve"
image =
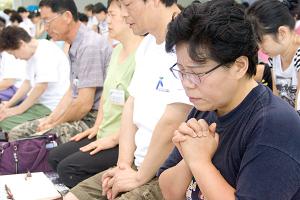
x,y
93,65
173,159
267,173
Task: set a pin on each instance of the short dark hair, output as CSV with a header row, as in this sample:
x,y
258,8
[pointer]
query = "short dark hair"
x,y
59,6
99,7
2,20
22,10
89,7
34,14
11,37
267,16
216,30
16,17
7,11
83,17
167,3
2,23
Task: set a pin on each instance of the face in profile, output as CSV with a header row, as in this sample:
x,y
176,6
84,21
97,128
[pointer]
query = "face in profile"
x,y
116,22
23,52
138,15
55,23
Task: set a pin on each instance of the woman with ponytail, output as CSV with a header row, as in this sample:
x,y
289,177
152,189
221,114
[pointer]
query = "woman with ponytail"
x,y
274,25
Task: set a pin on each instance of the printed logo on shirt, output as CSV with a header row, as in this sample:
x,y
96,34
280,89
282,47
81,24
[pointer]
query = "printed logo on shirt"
x,y
160,85
286,90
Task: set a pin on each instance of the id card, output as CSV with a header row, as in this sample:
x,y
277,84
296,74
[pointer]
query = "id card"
x,y
117,97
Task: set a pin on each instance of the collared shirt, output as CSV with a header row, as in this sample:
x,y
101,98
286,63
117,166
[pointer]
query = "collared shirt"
x,y
89,57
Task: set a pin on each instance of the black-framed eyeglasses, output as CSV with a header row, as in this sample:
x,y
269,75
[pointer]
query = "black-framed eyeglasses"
x,y
190,76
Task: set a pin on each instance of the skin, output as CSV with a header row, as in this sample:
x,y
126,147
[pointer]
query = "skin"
x,y
197,140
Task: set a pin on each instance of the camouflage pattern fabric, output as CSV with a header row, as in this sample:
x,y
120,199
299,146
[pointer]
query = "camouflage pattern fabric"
x,y
63,131
91,189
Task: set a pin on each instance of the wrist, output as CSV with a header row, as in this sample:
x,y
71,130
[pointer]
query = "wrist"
x,y
124,164
17,110
200,165
141,178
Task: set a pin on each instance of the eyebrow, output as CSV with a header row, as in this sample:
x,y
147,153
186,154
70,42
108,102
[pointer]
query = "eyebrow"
x,y
190,66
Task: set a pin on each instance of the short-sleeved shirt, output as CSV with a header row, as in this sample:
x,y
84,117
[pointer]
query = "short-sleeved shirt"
x,y
89,56
258,152
115,91
286,80
49,64
12,68
153,87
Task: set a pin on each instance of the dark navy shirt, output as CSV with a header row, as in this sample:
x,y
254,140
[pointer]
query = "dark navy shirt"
x,y
259,148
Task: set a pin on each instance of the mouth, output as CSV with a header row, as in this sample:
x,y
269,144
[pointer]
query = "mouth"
x,y
194,99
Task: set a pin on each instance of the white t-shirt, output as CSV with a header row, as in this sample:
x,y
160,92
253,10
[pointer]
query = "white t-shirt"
x,y
286,81
28,26
92,22
153,87
12,68
49,65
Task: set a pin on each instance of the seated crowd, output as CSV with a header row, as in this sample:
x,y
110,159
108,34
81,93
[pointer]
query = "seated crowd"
x,y
150,100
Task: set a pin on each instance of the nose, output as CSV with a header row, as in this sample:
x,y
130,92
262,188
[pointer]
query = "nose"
x,y
108,19
124,11
187,83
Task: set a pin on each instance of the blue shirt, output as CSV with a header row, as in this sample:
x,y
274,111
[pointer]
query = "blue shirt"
x,y
259,148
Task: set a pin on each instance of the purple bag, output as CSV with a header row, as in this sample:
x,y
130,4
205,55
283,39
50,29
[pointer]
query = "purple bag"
x,y
25,155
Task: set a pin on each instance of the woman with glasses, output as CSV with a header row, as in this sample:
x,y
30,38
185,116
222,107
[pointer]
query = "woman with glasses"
x,y
235,143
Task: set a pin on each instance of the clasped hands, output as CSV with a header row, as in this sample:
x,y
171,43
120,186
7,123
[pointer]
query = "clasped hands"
x,y
119,179
196,140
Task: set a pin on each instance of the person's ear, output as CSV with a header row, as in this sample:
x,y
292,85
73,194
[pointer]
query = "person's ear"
x,y
68,17
240,67
283,32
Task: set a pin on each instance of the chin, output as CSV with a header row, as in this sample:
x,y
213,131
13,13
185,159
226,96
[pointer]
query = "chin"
x,y
204,108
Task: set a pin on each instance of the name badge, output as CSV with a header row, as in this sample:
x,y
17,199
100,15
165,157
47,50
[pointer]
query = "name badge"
x,y
117,97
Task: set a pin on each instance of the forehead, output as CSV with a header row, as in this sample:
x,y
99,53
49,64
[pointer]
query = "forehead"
x,y
113,6
46,11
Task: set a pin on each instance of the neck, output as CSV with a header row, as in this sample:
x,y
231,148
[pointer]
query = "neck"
x,y
73,30
289,52
244,88
160,28
129,41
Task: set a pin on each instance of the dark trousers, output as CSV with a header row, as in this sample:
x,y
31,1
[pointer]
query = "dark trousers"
x,y
74,166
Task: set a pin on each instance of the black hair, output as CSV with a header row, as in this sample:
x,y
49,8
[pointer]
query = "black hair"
x,y
294,7
34,14
7,11
216,30
245,4
167,3
99,7
267,16
2,20
83,17
11,36
89,7
2,23
22,10
15,17
59,6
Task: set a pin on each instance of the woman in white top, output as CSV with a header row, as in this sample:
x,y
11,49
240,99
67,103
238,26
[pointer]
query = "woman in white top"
x,y
274,27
